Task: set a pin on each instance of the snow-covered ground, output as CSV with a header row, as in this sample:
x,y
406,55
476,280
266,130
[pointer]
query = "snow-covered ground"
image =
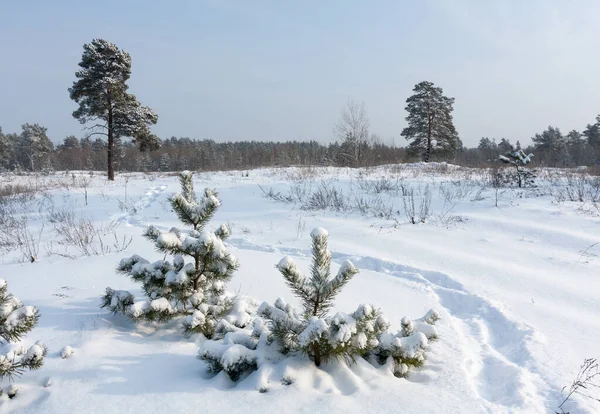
x,y
518,296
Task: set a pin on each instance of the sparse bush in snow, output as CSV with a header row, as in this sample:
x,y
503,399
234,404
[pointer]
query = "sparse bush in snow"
x,y
83,235
16,320
413,215
586,384
175,288
279,330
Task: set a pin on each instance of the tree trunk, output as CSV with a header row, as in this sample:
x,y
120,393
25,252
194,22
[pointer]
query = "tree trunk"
x,y
317,353
428,151
315,347
111,148
197,274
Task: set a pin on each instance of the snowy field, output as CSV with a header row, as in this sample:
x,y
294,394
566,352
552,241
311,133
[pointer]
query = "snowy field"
x,y
507,270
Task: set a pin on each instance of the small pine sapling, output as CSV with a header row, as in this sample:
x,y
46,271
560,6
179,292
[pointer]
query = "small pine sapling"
x,y
313,332
195,289
518,159
407,347
17,320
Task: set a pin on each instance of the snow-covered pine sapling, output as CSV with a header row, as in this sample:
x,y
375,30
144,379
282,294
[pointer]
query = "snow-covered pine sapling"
x,y
17,320
313,332
407,347
519,159
195,288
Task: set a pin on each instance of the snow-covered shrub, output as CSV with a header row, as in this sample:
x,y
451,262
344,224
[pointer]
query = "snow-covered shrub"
x,y
16,320
194,289
279,330
523,177
407,347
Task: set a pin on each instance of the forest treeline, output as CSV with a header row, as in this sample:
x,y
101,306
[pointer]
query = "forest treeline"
x,y
32,150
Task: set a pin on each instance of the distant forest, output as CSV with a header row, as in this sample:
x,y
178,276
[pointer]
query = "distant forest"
x,y
32,150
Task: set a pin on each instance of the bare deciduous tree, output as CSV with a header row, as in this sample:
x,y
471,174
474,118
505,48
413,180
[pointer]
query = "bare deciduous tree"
x,y
352,131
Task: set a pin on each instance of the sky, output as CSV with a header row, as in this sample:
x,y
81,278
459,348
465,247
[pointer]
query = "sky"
x,y
282,70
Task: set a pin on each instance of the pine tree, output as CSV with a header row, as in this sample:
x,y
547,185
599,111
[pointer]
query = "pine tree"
x,y
6,151
146,163
552,146
578,148
430,125
505,146
312,332
16,321
348,152
487,144
105,104
488,148
165,162
407,347
518,159
70,142
592,133
175,288
35,147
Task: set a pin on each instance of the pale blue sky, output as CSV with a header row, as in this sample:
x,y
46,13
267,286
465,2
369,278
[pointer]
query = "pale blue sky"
x,y
281,70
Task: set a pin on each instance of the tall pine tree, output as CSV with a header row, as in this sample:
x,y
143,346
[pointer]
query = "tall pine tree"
x,y
104,103
551,146
430,126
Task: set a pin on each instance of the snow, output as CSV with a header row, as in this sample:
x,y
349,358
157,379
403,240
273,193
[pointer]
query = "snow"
x,y
17,316
314,328
346,327
138,308
234,354
178,278
118,297
412,345
319,232
9,306
169,240
34,353
161,305
347,266
66,352
517,299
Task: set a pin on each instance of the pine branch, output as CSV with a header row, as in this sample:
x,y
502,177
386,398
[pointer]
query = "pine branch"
x,y
187,186
321,265
295,280
346,272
